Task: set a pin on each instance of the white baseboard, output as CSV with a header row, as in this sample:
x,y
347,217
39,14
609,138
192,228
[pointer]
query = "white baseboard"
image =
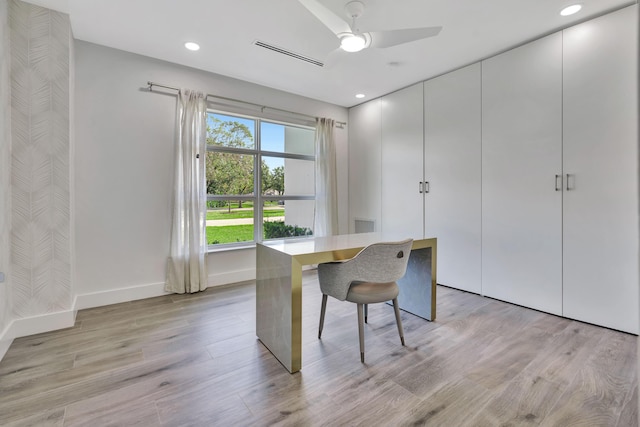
x,y
241,276
232,277
35,325
116,296
66,319
43,323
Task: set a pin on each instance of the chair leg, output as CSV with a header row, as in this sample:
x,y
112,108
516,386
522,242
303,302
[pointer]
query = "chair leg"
x,y
398,321
322,310
366,312
361,331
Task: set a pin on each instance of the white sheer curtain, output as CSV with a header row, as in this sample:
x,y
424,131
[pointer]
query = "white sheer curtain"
x,y
326,212
186,266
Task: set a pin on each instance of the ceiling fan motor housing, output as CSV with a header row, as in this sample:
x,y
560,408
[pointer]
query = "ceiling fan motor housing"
x,y
354,9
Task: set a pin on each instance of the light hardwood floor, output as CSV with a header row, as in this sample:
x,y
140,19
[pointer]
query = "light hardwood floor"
x,y
194,360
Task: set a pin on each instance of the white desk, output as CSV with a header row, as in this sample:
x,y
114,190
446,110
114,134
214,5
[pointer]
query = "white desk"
x,y
279,285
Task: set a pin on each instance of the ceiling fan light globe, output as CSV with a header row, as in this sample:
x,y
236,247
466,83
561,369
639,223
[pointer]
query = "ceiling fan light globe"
x,y
353,43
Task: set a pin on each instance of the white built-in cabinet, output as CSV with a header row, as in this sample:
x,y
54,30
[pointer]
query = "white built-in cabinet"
x,y
600,158
528,167
521,159
402,168
452,142
560,173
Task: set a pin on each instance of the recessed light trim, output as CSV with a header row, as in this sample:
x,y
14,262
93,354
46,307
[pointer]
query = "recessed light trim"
x,y
192,46
570,10
360,95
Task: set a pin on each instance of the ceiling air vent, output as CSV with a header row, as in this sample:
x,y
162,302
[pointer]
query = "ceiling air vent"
x,y
288,53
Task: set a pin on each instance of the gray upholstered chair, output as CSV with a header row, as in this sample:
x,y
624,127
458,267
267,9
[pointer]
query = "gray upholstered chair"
x,y
369,277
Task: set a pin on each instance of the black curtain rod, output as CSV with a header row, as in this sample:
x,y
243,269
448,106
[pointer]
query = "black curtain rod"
x,y
262,107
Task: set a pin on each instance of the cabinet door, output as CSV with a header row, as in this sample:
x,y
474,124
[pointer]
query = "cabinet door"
x,y
521,156
453,170
402,157
600,227
364,167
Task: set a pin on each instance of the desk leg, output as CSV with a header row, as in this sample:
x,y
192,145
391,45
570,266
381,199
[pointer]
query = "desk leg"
x,y
279,305
418,286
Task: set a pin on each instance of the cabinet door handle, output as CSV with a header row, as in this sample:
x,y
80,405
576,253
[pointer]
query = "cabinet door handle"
x,y
569,186
558,187
426,186
421,187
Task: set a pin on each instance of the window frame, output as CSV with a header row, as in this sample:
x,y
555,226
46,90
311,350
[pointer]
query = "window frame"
x,y
258,198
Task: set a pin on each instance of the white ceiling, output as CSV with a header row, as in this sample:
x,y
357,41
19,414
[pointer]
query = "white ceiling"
x,y
226,30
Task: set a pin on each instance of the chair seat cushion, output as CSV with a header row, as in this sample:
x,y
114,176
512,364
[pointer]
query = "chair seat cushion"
x,y
369,293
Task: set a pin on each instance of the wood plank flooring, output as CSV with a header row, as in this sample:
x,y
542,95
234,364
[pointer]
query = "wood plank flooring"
x,y
194,360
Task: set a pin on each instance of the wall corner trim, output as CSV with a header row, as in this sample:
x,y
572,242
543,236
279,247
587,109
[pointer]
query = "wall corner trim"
x,y
6,338
35,325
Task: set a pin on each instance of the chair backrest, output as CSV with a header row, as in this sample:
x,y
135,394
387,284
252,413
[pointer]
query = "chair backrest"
x,y
383,262
378,263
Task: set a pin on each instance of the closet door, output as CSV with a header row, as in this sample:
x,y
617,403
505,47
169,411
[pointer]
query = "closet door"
x,y
364,167
453,170
402,157
600,231
521,157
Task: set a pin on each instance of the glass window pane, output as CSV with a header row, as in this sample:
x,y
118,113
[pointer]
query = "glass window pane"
x,y
291,177
286,139
229,221
287,218
230,131
234,145
229,174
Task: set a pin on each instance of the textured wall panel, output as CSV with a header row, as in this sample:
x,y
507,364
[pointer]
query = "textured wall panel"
x,y
5,143
40,160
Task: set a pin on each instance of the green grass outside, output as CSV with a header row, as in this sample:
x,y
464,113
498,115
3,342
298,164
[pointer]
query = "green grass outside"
x,y
237,233
229,234
224,213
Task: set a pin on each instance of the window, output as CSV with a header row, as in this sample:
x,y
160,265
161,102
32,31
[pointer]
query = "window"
x,y
284,206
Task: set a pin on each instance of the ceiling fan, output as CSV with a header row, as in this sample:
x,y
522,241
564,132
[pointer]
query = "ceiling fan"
x,y
354,40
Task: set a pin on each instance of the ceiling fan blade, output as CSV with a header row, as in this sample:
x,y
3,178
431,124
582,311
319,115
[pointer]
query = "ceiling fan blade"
x,y
384,39
334,57
336,24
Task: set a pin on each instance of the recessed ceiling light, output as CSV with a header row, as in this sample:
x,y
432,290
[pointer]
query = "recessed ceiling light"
x,y
192,46
570,10
360,95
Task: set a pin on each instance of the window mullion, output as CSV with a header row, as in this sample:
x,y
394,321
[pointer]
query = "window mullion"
x,y
288,155
257,177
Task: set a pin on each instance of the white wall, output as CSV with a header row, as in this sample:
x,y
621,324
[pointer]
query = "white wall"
x,y
124,151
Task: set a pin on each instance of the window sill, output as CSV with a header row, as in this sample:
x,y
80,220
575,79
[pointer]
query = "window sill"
x,y
249,245
211,250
